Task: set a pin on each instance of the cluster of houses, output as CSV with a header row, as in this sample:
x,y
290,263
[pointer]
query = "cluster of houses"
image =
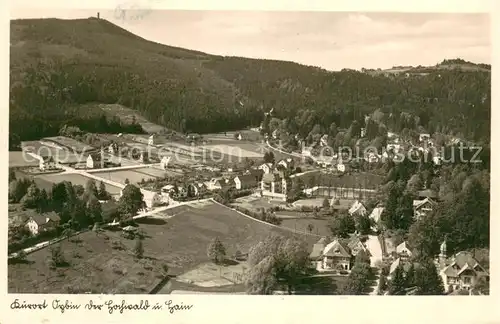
x,y
460,271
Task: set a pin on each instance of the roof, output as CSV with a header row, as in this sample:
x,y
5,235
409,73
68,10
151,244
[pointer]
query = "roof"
x,y
405,264
248,178
376,213
462,259
419,203
96,156
335,248
317,250
402,246
41,219
357,206
129,228
255,172
354,242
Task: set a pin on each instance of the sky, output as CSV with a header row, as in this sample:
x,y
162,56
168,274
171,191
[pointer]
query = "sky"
x,y
331,40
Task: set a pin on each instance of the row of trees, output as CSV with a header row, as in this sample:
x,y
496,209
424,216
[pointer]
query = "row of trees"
x,y
422,279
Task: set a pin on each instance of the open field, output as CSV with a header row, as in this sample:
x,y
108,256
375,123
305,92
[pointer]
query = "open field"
x,y
254,203
70,143
318,202
76,179
127,115
153,172
40,182
320,226
354,180
121,175
243,150
21,159
94,266
180,242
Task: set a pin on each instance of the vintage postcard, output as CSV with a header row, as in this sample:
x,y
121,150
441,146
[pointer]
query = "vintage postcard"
x,y
175,164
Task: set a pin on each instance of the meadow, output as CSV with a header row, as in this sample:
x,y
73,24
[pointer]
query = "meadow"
x,y
178,238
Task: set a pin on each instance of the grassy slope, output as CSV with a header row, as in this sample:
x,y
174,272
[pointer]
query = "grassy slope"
x,y
181,243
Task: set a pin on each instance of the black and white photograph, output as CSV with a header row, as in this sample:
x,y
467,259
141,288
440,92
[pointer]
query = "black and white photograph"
x,y
176,152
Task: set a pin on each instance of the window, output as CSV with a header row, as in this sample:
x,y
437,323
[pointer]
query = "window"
x,y
467,280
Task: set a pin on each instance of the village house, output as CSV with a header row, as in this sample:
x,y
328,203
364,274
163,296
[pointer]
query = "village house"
x,y
331,256
404,263
246,181
39,223
375,215
218,184
151,140
424,137
164,162
274,185
113,148
266,167
372,157
323,140
422,207
461,271
275,134
341,167
167,190
95,160
403,251
357,208
47,163
144,157
363,132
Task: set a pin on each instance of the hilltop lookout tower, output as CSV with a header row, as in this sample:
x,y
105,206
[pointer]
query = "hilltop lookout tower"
x,y
98,15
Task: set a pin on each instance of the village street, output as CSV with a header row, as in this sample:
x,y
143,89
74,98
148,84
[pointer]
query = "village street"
x,y
373,245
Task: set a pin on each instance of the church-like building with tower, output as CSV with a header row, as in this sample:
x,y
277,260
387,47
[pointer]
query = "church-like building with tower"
x,y
460,271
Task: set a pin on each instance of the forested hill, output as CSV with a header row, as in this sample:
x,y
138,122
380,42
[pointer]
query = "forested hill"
x,y
57,65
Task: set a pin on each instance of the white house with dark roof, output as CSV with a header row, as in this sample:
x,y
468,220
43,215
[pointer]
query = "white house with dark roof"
x,y
424,137
422,207
404,251
332,256
47,163
94,160
323,140
357,208
165,161
266,167
376,214
461,271
42,222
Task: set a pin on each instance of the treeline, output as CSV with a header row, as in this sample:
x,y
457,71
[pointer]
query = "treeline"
x,y
194,92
